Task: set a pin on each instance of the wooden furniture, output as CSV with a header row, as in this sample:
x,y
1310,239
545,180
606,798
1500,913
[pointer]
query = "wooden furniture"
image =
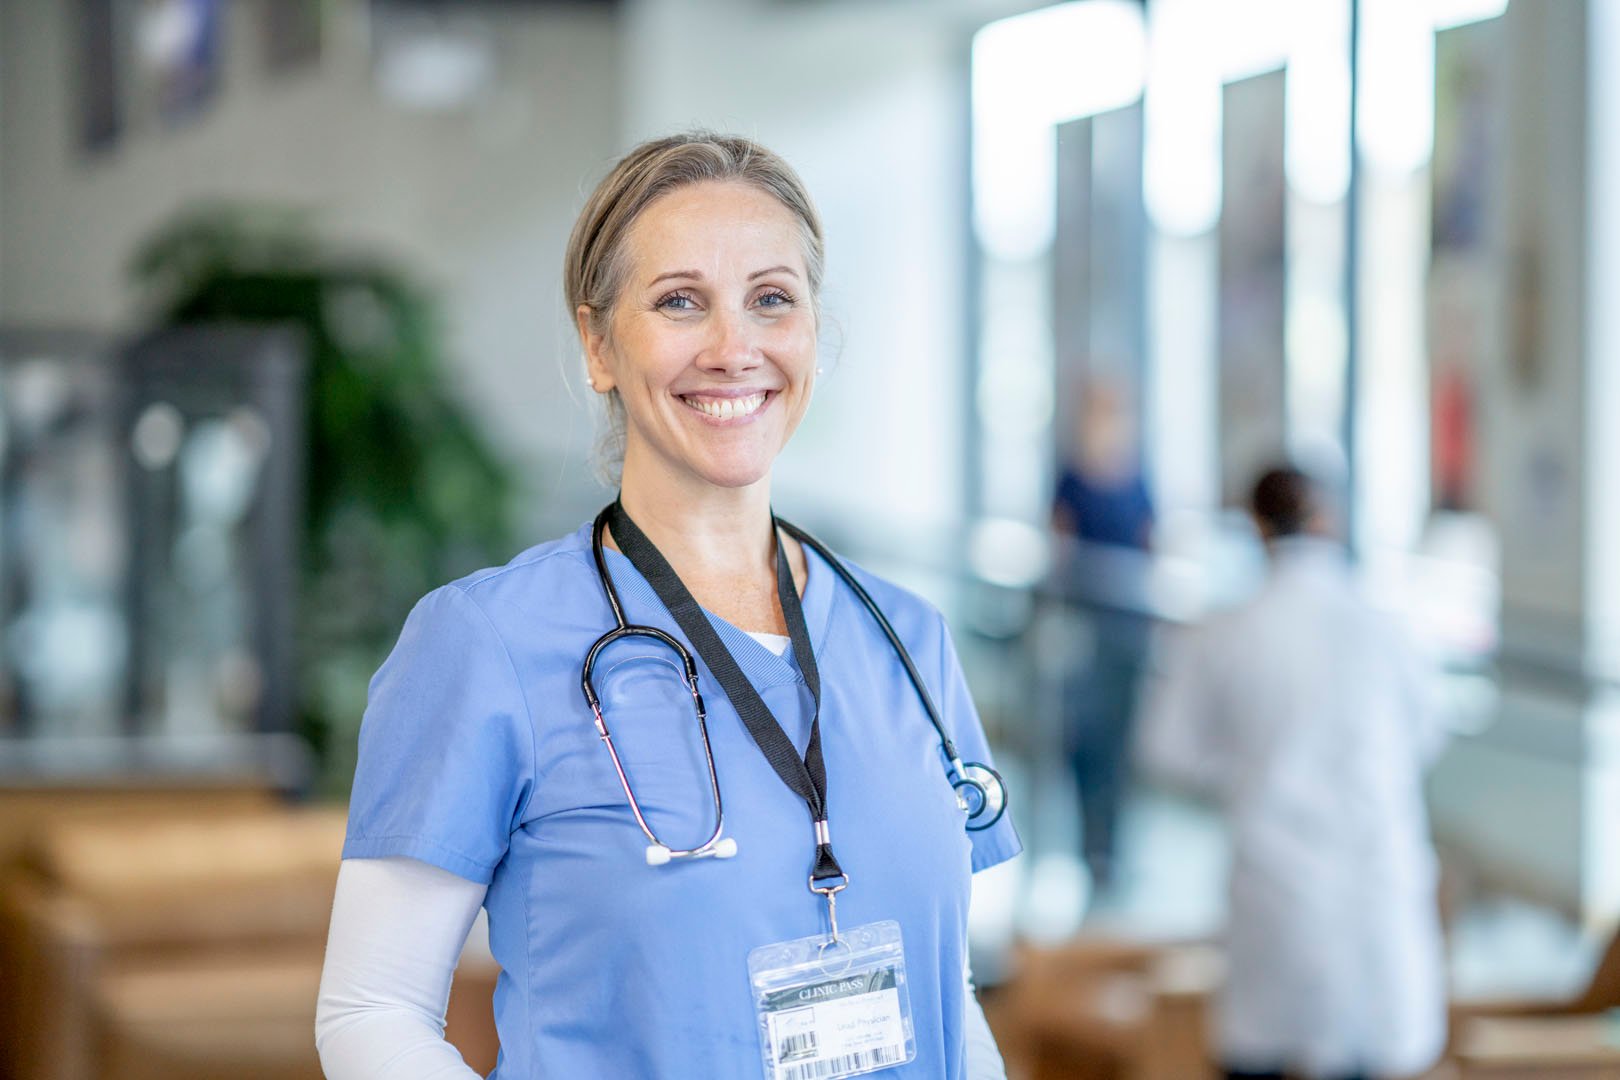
x,y
181,945
1100,1009
96,902
26,809
28,919
1575,1047
1574,1039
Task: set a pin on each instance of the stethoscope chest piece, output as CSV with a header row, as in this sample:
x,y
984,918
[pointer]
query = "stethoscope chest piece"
x,y
981,793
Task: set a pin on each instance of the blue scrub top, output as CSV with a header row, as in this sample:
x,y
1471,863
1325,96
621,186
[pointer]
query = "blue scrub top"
x,y
478,755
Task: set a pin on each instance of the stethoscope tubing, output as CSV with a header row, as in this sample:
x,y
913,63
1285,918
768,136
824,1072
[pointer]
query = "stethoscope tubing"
x,y
883,623
988,779
689,676
975,777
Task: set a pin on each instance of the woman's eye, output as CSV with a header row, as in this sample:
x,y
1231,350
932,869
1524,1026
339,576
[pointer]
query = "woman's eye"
x,y
774,298
675,302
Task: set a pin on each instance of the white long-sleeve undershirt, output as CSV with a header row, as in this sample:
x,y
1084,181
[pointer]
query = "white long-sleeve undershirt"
x,y
398,927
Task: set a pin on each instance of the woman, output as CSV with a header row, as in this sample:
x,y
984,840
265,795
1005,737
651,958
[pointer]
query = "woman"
x,y
693,273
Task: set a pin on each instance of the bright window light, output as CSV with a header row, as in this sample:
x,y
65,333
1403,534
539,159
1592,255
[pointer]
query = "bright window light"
x,y
1181,167
1008,552
1445,14
1316,141
1194,48
1395,124
1251,37
1030,73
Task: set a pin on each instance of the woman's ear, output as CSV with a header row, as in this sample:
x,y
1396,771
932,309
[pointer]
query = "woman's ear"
x,y
597,370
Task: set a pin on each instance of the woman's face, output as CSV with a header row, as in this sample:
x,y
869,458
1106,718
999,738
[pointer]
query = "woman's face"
x,y
712,344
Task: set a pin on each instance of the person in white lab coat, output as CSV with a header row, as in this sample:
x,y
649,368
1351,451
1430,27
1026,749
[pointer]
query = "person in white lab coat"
x,y
1306,714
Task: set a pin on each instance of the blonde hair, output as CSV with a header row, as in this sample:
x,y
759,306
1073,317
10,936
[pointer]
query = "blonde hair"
x,y
594,265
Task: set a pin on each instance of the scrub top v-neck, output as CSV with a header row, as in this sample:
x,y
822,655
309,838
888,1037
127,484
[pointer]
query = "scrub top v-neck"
x,y
479,756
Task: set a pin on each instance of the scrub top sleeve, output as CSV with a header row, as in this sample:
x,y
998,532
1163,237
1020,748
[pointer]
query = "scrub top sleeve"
x,y
446,747
1000,841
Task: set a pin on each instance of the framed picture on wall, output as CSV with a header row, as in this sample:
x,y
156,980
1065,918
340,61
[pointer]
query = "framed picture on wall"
x,y
100,102
178,58
291,34
1463,292
1252,298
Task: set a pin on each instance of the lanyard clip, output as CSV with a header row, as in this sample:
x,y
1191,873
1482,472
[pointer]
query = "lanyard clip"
x,y
831,891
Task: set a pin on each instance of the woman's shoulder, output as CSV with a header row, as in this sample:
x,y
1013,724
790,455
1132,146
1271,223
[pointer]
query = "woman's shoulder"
x,y
914,618
542,574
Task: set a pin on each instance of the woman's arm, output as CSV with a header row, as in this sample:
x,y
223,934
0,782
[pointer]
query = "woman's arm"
x,y
398,927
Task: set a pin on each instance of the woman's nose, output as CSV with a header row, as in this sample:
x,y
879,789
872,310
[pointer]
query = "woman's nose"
x,y
733,346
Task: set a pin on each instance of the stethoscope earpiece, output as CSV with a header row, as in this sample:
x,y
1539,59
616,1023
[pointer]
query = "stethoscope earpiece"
x,y
660,855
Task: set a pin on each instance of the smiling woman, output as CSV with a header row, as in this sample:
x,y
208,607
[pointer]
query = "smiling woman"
x,y
630,945
710,349
597,265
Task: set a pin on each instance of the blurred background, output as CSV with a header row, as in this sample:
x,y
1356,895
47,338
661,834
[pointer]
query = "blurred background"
x,y
283,346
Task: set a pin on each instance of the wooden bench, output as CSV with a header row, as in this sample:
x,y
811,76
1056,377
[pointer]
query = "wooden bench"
x,y
184,946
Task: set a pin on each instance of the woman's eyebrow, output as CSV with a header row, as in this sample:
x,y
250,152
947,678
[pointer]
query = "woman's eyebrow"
x,y
695,275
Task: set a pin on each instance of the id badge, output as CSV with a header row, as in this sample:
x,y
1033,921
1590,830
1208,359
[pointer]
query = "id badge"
x,y
833,1008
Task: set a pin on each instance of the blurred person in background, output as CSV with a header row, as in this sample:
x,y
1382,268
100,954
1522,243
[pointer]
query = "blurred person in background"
x,y
1103,518
486,778
1307,715
1102,497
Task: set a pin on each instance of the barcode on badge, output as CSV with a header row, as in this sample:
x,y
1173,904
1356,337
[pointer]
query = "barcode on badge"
x,y
796,1046
842,1066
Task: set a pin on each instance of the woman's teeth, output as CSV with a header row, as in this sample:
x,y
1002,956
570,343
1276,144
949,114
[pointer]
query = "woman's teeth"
x,y
726,408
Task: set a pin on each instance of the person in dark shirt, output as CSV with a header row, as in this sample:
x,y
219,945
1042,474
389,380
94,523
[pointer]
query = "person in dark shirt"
x,y
1102,511
1103,516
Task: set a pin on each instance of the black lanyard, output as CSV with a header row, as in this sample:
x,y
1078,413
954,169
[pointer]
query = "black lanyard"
x,y
807,776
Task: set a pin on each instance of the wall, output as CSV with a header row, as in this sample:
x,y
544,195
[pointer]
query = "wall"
x,y
1534,438
868,100
478,203
1536,796
5,98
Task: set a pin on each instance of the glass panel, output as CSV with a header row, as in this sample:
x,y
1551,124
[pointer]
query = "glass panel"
x,y
148,513
62,550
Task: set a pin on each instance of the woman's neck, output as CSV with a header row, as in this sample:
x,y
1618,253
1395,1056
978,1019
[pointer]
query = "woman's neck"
x,y
720,541
709,529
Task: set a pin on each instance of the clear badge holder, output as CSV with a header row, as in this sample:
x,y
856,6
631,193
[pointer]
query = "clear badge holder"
x,y
833,1006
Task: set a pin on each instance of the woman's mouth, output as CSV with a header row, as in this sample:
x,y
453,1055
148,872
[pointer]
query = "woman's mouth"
x,y
726,408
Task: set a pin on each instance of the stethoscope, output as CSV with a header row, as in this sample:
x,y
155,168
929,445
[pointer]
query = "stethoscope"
x,y
980,792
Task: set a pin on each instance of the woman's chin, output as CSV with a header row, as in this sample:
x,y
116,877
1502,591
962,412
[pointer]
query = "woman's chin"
x,y
735,475
721,467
